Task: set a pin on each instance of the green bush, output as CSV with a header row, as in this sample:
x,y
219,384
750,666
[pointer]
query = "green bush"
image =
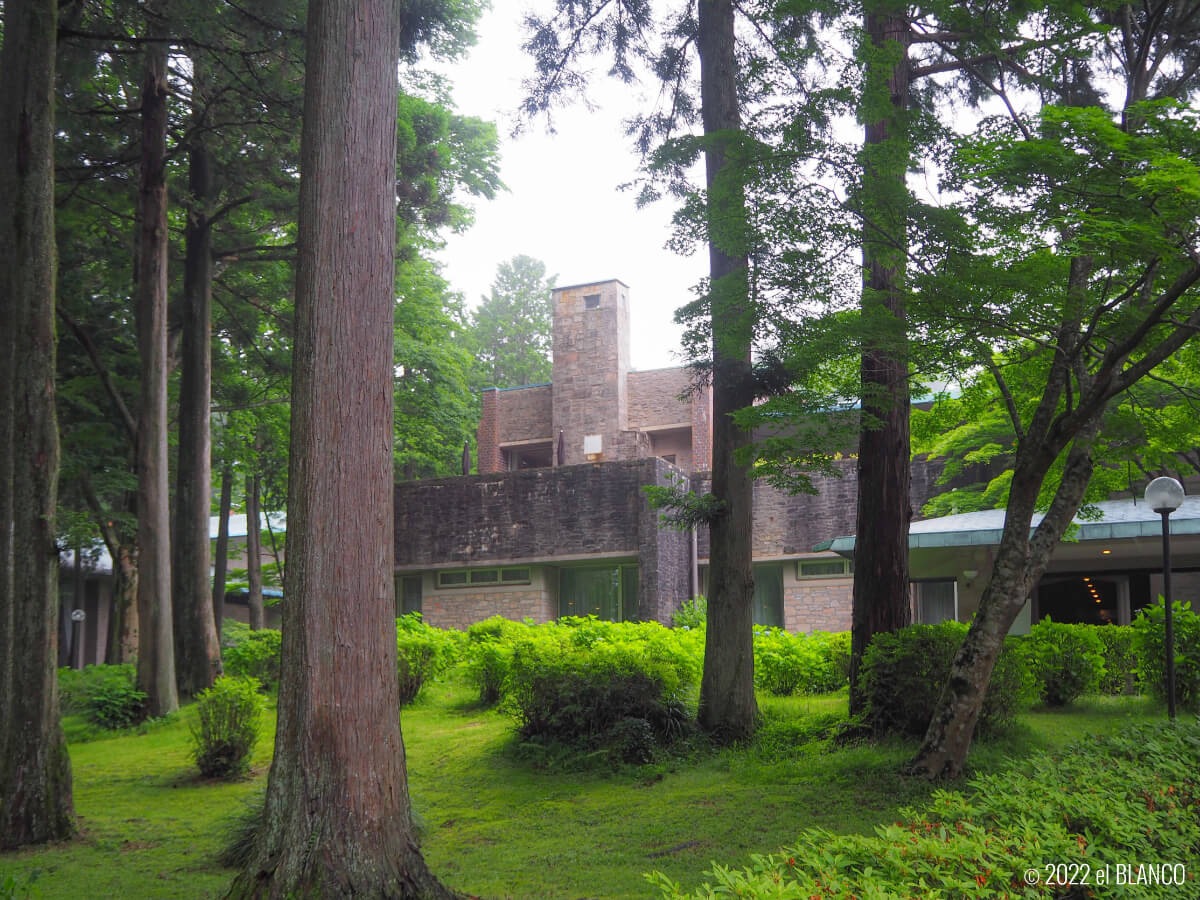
x,y
489,655
1149,644
582,685
792,663
76,686
692,614
1120,661
1067,660
1100,804
256,655
228,716
904,672
422,653
835,647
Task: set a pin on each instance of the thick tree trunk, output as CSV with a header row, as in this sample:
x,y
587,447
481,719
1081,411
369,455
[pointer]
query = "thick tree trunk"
x,y
221,553
337,821
35,771
1021,560
254,554
727,704
881,600
156,647
197,650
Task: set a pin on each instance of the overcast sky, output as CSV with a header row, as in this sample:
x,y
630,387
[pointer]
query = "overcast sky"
x,y
563,204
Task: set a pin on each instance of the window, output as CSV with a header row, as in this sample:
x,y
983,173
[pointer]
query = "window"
x,y
465,577
822,568
607,592
768,595
937,601
408,594
669,457
591,301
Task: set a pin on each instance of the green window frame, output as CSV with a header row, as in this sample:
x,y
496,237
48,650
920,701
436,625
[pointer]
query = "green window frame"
x,y
461,578
823,568
768,595
608,592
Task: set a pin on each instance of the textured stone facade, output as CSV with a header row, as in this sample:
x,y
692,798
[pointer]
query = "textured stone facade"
x,y
526,413
458,609
818,605
654,398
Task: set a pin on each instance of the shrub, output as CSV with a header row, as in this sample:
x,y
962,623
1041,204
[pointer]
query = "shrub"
x,y
1099,804
1120,661
256,655
1149,644
791,663
489,655
595,696
835,647
228,715
422,653
904,672
76,686
692,613
1066,660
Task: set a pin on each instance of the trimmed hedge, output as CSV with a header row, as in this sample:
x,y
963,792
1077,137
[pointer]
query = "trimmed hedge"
x,y
1067,660
904,672
422,653
1101,804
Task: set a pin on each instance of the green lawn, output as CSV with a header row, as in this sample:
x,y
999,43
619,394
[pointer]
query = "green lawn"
x,y
495,825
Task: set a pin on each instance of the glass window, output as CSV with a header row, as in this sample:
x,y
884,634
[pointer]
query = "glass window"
x,y
936,601
408,595
768,595
606,592
485,576
451,579
515,576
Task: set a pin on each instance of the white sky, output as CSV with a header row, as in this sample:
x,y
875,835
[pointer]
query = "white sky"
x,y
563,204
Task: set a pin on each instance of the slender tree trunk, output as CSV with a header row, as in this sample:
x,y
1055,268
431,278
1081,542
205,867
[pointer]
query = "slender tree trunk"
x,y
727,704
156,648
123,622
197,651
881,599
254,554
35,771
337,821
221,562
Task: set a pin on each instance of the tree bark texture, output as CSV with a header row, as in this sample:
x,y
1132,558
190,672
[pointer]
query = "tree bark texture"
x,y
122,644
156,647
254,554
727,705
881,598
337,821
197,650
36,802
221,552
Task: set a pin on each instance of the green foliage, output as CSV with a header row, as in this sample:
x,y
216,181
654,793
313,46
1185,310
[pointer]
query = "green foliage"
x,y
511,329
1104,802
1067,660
256,655
1149,644
227,717
241,832
904,672
106,695
1120,661
422,653
685,509
799,664
692,613
489,655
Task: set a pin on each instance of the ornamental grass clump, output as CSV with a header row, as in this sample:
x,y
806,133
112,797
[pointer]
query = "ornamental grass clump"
x,y
227,716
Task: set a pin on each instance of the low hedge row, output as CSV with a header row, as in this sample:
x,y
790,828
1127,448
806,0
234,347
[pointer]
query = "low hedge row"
x,y
1094,812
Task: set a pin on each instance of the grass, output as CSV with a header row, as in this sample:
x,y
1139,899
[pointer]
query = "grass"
x,y
497,826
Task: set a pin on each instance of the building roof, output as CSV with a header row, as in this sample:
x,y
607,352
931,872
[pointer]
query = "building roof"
x,y
1128,518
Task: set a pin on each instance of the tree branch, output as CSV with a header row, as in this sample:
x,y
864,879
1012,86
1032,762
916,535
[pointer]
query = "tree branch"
x,y
110,387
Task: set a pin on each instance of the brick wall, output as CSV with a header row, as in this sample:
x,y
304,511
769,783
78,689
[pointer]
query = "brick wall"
x,y
702,430
654,398
818,605
458,609
526,413
488,435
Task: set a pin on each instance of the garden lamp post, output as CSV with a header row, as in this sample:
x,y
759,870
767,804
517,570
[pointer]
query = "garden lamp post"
x,y
1165,495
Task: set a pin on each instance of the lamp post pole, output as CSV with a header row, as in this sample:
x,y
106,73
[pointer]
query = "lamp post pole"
x,y
1165,495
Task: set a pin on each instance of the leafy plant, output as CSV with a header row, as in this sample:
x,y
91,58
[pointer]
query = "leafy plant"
x,y
1120,660
422,653
228,716
692,614
256,656
791,664
1067,660
1149,643
904,672
76,686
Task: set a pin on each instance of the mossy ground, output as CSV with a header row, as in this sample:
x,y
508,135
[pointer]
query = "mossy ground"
x,y
497,825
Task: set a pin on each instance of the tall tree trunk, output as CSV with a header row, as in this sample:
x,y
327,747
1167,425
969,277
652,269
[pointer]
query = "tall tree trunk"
x,y
123,621
881,599
727,704
337,821
156,647
35,771
221,561
254,554
197,651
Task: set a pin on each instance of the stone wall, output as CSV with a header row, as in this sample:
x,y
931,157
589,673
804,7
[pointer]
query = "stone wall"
x,y
458,609
818,605
654,398
487,436
526,413
664,563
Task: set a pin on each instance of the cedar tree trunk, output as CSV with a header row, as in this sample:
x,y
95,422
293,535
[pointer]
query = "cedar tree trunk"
x,y
197,651
337,821
727,705
254,555
35,770
156,647
221,553
881,600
